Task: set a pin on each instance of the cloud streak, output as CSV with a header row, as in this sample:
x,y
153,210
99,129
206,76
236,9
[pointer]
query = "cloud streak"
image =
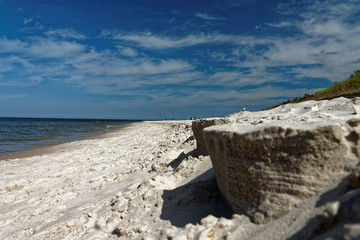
x,y
208,17
27,20
65,33
152,41
40,47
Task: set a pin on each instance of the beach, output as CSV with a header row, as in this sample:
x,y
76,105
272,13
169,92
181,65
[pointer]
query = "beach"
x,y
146,180
117,185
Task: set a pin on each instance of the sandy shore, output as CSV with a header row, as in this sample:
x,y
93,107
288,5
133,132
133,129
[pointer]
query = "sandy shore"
x,y
143,181
133,183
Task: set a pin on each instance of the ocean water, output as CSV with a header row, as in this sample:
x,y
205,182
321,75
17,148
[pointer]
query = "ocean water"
x,y
19,134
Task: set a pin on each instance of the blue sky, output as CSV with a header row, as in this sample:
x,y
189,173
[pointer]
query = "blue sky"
x,y
140,59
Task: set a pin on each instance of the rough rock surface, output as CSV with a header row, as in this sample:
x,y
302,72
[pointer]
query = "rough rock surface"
x,y
267,164
198,127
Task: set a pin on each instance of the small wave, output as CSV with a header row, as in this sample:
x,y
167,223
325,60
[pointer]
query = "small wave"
x,y
47,143
15,140
27,139
91,131
39,139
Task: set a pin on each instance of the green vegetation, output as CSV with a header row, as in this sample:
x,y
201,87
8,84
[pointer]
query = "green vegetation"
x,y
349,87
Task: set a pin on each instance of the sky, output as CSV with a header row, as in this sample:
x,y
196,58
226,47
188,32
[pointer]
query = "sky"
x,y
170,59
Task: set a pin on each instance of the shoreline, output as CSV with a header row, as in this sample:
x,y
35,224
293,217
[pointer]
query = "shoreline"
x,y
90,188
39,150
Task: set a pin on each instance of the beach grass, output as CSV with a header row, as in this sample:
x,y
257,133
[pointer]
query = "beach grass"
x,y
347,88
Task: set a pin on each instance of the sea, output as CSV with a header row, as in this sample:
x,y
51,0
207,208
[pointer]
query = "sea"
x,y
19,134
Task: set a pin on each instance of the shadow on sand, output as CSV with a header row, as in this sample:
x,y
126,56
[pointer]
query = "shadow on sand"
x,y
311,229
193,201
177,161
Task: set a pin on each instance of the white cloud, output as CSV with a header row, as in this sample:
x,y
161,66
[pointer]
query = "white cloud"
x,y
146,67
281,24
326,45
41,47
100,72
39,25
45,48
310,53
255,76
31,28
11,45
292,7
127,51
65,33
148,40
208,17
27,20
106,33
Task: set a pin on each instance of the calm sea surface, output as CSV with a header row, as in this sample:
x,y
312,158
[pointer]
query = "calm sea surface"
x,y
18,134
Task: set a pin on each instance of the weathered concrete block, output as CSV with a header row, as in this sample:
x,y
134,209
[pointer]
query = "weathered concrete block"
x,y
198,127
265,170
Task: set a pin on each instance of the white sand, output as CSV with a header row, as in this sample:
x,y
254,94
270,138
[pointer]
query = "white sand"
x,y
141,182
126,184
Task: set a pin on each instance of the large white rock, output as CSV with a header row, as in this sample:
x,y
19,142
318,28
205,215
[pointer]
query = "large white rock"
x,y
269,162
